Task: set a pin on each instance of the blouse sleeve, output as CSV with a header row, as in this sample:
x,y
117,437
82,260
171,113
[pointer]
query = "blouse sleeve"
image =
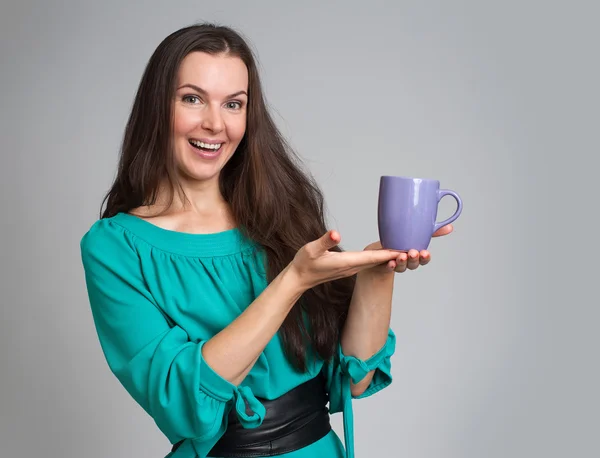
x,y
152,358
343,369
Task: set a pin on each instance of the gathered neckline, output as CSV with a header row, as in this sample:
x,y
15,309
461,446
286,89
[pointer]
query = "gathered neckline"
x,y
223,243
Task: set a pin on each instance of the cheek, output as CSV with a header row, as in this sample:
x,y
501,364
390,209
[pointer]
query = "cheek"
x,y
183,122
238,129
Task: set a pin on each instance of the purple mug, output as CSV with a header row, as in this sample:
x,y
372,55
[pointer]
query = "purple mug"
x,y
407,211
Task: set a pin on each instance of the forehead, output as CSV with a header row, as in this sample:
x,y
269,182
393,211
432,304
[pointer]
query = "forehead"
x,y
217,74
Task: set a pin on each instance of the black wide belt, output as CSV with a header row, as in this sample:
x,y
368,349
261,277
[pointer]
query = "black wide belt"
x,y
294,420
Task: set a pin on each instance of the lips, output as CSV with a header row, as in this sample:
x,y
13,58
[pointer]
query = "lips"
x,y
206,150
208,145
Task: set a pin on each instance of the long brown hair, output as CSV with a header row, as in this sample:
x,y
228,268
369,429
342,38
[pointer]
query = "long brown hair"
x,y
274,201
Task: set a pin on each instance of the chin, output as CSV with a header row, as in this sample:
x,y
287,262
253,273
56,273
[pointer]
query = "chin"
x,y
201,175
193,170
202,171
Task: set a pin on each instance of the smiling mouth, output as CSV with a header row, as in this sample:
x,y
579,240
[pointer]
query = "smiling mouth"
x,y
206,147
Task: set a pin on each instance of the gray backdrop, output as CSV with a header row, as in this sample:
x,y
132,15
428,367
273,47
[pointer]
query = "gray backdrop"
x,y
497,346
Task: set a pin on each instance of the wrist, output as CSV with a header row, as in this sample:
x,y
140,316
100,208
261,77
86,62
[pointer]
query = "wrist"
x,y
292,281
379,277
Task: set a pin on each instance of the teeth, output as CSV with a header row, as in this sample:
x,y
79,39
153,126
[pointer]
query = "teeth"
x,y
214,146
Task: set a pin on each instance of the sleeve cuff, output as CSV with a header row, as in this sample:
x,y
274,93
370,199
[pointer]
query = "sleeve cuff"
x,y
358,369
212,383
221,389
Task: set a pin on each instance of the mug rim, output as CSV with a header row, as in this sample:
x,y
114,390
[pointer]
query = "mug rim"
x,y
404,177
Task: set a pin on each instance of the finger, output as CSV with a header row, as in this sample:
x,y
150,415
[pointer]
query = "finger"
x,y
402,257
413,259
369,258
444,230
425,257
401,262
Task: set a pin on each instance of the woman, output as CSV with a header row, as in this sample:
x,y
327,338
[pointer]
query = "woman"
x,y
222,303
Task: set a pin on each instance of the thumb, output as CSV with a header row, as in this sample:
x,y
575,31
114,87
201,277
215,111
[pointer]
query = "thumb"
x,y
329,240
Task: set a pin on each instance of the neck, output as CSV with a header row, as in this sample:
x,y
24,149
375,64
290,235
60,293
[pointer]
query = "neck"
x,y
201,199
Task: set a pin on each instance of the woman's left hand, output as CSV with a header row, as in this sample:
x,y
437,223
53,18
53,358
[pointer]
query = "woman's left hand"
x,y
410,260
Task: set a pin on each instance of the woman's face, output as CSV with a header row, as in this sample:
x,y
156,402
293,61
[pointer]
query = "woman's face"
x,y
209,114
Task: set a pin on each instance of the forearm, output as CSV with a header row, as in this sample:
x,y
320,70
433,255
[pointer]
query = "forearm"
x,y
368,321
233,351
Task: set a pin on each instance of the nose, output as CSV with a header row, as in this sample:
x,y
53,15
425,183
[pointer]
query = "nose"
x,y
212,119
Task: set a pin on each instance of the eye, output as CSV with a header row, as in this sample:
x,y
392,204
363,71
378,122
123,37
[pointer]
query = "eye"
x,y
193,99
234,105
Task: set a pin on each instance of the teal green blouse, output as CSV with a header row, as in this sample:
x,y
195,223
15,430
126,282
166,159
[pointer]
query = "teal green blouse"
x,y
158,295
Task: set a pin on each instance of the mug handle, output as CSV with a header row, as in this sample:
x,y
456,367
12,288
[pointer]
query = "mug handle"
x,y
448,192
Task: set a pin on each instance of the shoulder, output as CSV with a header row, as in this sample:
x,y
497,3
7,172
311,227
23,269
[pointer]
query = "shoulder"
x,y
105,238
111,257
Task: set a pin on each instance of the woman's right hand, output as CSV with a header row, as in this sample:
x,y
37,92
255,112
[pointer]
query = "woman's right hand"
x,y
314,264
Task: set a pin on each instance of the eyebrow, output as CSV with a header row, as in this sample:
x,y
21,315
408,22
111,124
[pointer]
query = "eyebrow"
x,y
202,91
